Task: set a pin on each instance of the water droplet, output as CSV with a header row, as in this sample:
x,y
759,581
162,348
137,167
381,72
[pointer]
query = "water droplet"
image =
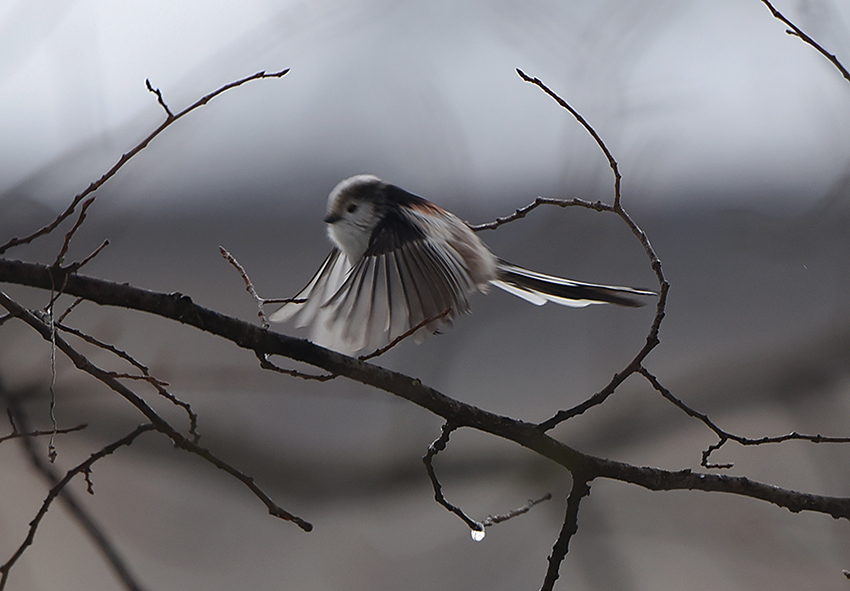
x,y
478,534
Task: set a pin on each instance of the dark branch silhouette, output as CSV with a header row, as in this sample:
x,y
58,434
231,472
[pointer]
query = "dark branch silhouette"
x,y
65,279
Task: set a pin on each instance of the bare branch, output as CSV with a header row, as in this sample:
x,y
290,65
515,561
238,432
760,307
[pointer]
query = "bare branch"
x,y
436,447
496,519
78,265
82,363
265,342
524,211
652,338
249,286
589,128
67,242
94,186
724,436
158,384
795,31
380,351
55,491
69,499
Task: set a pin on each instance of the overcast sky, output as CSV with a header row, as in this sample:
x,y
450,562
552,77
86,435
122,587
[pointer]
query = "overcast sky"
x,y
695,99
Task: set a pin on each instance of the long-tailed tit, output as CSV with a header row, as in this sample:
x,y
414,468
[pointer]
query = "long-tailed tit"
x,y
400,261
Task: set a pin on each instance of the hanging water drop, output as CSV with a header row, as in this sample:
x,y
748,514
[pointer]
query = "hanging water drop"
x,y
478,534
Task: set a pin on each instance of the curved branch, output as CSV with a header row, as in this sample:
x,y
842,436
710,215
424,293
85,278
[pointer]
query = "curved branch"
x,y
652,340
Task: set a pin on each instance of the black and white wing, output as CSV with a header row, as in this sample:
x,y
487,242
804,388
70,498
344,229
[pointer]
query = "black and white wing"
x,y
404,279
307,304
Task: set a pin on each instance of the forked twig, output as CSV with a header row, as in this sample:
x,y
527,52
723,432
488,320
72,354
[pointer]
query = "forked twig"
x,y
725,436
617,208
249,287
266,364
476,527
146,376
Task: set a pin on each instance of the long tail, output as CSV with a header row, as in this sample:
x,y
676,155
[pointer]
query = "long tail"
x,y
538,289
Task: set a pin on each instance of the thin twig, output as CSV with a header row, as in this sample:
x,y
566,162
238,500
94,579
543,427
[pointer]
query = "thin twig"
x,y
159,98
57,489
16,433
249,286
51,326
723,435
612,163
70,234
380,351
79,265
496,519
652,339
69,309
795,31
436,447
524,211
69,499
146,376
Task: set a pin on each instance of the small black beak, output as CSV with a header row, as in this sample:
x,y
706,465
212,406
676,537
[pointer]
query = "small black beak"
x,y
332,217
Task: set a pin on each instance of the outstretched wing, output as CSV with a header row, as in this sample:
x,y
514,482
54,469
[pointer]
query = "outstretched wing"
x,y
404,279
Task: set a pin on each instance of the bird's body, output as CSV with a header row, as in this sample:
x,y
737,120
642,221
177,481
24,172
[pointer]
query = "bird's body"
x,y
401,261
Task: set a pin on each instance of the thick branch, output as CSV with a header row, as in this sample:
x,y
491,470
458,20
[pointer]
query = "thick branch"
x,y
248,336
580,489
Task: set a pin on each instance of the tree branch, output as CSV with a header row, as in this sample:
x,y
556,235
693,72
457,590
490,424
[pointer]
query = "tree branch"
x,y
797,32
580,489
161,424
265,342
57,489
135,150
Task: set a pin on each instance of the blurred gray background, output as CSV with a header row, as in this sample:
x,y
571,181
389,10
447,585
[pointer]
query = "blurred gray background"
x,y
734,142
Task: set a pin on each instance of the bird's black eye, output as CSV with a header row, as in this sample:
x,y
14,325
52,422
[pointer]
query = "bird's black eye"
x,y
352,207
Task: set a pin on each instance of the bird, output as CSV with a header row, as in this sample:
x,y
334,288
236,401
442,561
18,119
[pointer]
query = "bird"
x,y
400,262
